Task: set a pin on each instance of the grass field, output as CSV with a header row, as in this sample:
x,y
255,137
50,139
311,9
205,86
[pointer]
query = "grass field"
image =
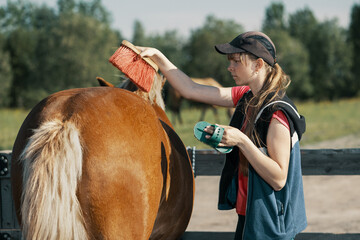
x,y
325,120
10,123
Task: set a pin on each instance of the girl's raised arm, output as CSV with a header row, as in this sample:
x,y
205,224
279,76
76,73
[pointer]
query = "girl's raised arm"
x,y
183,83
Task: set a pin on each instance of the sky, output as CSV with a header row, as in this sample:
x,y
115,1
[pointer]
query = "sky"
x,y
158,16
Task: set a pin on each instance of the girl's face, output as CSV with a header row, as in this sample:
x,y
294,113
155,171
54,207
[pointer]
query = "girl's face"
x,y
240,68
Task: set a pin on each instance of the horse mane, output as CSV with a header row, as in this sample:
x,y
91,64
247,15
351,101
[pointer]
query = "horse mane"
x,y
154,96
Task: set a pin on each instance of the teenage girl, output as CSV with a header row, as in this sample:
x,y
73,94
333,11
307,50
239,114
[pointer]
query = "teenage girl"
x,y
262,175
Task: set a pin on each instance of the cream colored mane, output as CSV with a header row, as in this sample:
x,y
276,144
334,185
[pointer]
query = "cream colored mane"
x,y
155,94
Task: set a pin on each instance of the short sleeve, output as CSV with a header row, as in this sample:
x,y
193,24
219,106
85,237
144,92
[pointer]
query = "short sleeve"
x,y
237,93
281,117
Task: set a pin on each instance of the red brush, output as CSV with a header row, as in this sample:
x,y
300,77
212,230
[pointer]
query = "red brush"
x,y
140,71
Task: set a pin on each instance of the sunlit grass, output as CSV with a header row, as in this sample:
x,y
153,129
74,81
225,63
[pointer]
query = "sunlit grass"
x,y
10,123
330,120
324,121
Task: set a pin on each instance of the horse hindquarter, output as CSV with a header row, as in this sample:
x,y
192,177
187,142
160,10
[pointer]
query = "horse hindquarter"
x,y
92,169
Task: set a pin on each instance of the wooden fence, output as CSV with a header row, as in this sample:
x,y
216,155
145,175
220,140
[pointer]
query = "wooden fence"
x,y
207,163
314,162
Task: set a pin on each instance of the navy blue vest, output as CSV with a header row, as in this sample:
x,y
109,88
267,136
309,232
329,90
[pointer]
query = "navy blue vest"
x,y
270,214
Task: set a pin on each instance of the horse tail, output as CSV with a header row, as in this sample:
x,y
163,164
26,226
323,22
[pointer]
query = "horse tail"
x,y
52,162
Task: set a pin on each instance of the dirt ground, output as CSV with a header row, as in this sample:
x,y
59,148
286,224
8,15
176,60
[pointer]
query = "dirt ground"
x,y
332,202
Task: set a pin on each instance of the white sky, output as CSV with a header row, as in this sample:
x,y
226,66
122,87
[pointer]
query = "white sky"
x,y
186,15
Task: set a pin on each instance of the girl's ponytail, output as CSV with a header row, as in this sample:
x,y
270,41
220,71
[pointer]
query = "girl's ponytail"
x,y
275,85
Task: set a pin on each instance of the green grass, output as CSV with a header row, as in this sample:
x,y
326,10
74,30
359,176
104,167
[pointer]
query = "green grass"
x,y
330,120
325,121
10,123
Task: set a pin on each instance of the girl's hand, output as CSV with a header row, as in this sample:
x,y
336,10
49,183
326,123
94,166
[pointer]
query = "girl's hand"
x,y
158,57
231,136
148,51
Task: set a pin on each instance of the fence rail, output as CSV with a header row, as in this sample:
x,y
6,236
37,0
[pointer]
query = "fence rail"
x,y
207,163
313,162
301,236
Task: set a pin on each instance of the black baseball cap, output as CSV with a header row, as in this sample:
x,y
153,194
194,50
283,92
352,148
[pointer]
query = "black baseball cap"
x,y
256,43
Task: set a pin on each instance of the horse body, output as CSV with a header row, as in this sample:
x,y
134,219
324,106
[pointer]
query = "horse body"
x,y
100,165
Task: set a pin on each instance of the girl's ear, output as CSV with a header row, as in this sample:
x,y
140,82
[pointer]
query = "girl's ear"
x,y
259,63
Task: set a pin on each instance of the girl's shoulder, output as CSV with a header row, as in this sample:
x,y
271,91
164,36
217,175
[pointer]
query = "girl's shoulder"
x,y
281,117
238,92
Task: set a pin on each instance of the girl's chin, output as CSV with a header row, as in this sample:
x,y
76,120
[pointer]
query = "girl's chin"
x,y
238,82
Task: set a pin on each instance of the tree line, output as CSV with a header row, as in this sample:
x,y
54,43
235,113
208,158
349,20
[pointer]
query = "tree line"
x,y
44,50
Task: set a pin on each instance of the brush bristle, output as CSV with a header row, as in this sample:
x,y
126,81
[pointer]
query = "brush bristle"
x,y
134,67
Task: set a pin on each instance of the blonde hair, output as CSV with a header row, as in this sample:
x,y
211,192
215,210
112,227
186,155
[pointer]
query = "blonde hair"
x,y
155,94
274,87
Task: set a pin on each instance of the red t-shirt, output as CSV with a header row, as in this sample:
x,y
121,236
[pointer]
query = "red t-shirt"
x,y
237,93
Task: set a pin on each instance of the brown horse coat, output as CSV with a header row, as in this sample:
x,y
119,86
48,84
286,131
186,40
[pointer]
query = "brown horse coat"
x,y
103,163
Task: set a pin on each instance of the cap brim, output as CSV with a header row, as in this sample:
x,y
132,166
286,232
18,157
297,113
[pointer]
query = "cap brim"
x,y
227,48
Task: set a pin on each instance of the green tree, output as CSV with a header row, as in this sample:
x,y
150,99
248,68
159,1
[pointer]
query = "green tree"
x,y
292,54
302,25
331,75
171,44
16,28
354,39
66,6
202,58
274,17
16,14
5,74
95,10
21,45
139,37
84,46
50,52
293,57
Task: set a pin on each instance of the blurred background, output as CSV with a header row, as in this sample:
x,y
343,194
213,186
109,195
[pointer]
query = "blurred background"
x,y
52,45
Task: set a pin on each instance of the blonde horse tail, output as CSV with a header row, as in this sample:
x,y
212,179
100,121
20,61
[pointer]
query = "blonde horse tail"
x,y
52,162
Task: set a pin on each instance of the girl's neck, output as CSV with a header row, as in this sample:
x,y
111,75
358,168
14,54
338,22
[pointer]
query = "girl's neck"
x,y
257,83
255,87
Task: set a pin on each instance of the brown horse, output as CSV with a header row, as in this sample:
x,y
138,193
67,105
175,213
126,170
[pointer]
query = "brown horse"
x,y
101,163
175,100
